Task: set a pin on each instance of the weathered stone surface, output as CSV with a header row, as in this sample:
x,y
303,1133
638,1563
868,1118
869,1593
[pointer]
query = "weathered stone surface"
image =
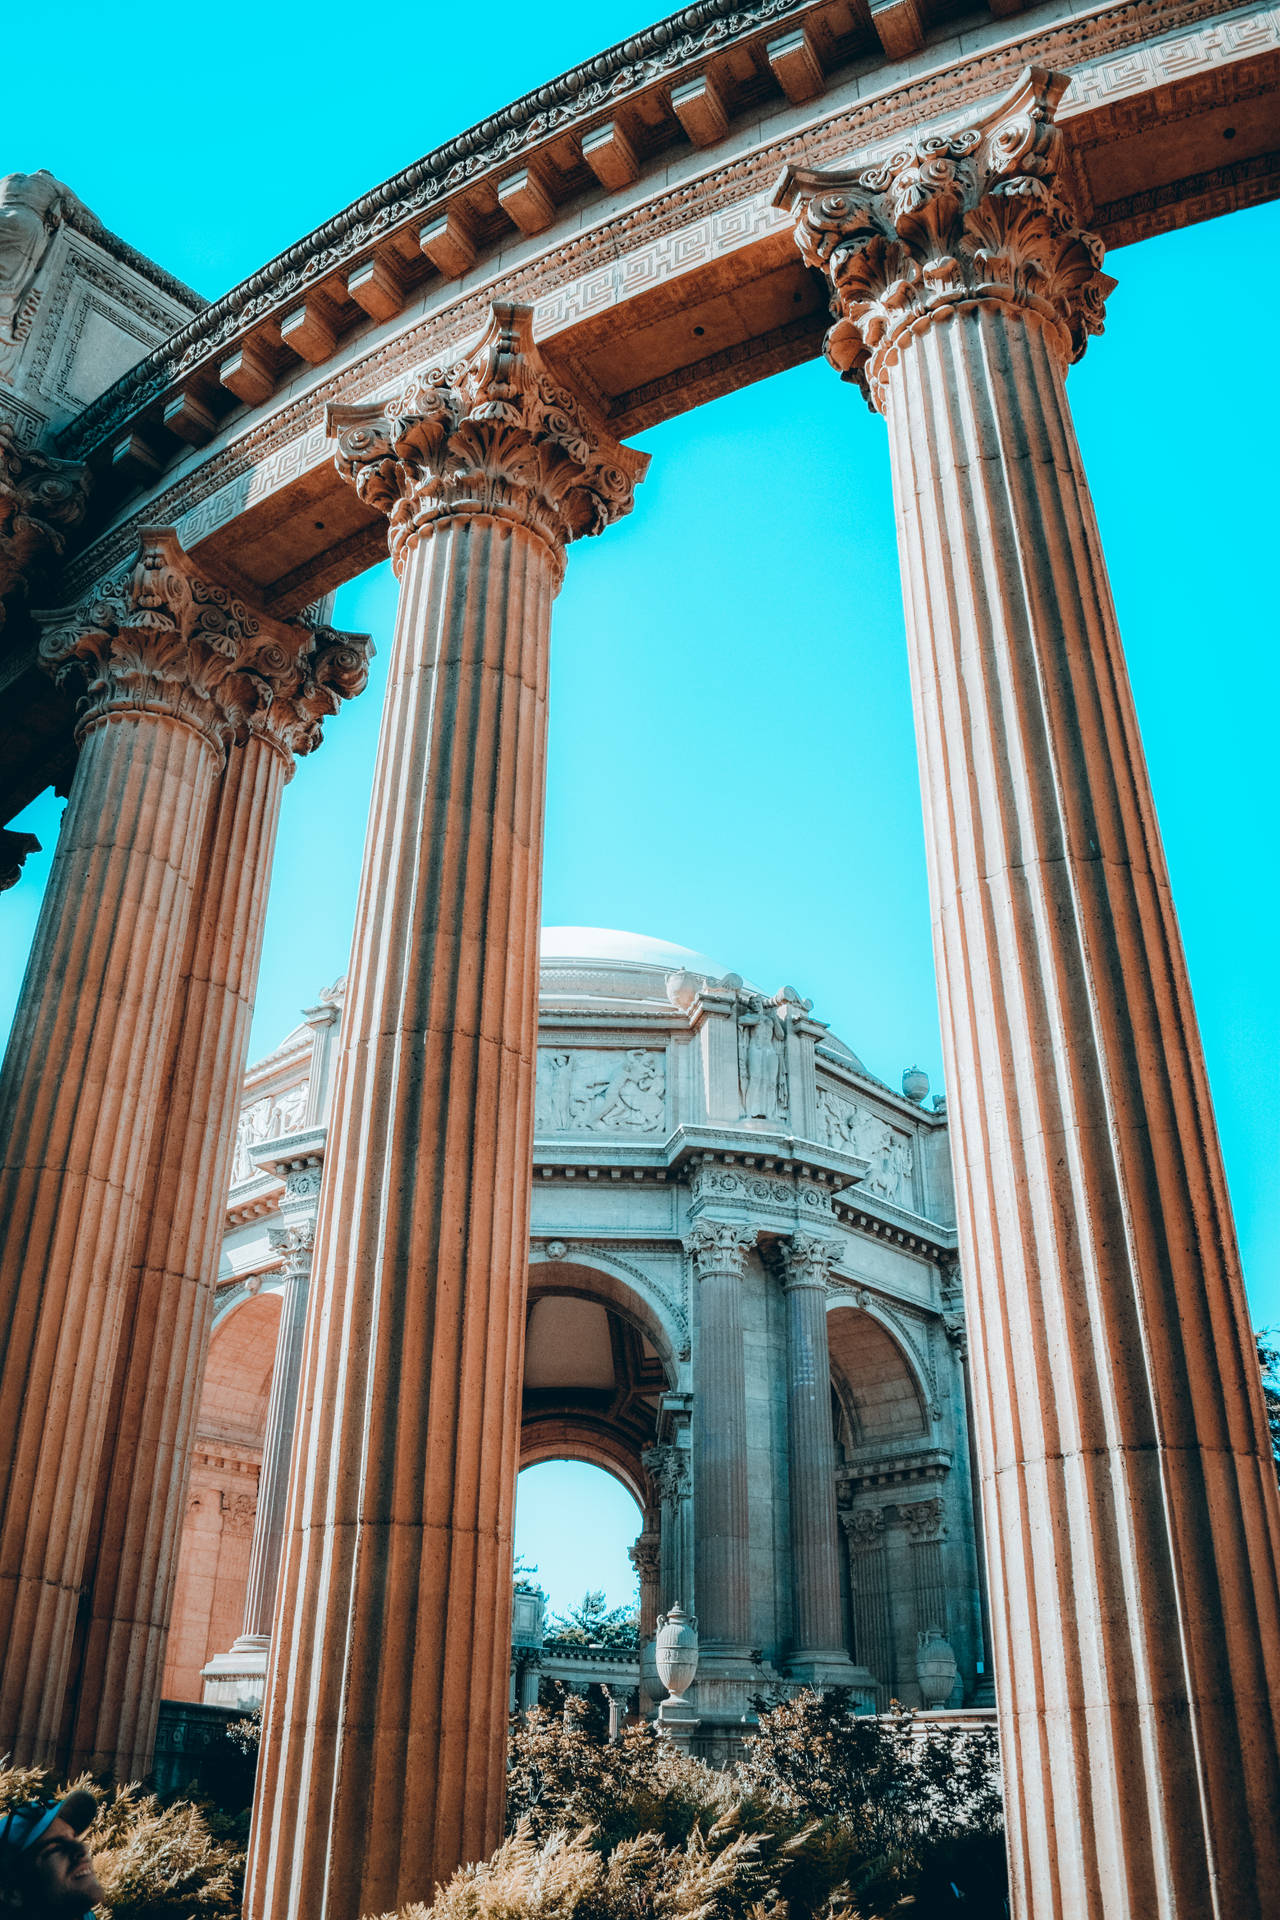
x,y
177,670
391,1676
1133,1525
166,1317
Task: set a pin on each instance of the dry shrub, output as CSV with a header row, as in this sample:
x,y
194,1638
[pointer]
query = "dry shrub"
x,y
155,1862
828,1817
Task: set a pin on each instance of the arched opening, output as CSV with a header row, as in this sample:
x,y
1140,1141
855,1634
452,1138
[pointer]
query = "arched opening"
x,y
577,1614
878,1397
222,1497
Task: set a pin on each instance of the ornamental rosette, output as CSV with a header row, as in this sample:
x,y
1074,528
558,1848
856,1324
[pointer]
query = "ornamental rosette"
x,y
159,636
492,435
947,222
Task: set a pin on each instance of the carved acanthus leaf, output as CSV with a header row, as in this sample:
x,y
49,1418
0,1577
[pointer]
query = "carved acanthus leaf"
x,y
493,434
40,500
668,1468
720,1246
947,220
808,1260
160,636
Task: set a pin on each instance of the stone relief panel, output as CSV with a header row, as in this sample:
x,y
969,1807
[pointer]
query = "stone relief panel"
x,y
266,1119
843,1123
582,1091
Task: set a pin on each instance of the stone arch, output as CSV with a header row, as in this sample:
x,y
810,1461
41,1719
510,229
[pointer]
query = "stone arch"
x,y
879,1390
217,1529
626,1290
548,1440
599,1354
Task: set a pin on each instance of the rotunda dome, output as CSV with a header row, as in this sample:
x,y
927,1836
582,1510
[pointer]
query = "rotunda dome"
x,y
639,949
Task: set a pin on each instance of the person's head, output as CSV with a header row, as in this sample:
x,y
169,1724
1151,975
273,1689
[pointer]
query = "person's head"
x,y
46,1870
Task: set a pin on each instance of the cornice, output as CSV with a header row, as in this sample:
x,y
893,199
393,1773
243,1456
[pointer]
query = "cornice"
x,y
865,126
568,103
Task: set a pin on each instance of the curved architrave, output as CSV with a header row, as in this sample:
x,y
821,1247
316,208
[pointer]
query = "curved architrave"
x,y
592,1276
556,1438
238,1297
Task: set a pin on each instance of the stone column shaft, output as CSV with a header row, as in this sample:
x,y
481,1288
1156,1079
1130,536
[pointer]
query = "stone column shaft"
x,y
80,1082
721,1539
1133,1528
114,1698
395,1591
385,1730
869,1597
277,1445
815,1564
168,1293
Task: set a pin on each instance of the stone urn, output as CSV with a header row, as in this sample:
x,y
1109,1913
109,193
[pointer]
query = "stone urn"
x,y
935,1667
915,1084
676,1650
682,988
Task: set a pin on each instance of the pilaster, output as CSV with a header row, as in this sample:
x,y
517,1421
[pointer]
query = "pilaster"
x,y
819,1656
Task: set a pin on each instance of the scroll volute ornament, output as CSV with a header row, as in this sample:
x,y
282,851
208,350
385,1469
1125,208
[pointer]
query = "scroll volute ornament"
x,y
161,636
492,434
947,221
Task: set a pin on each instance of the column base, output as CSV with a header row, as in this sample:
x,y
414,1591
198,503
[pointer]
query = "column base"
x,y
833,1668
238,1678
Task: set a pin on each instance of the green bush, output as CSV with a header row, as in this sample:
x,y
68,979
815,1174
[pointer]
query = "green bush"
x,y
155,1862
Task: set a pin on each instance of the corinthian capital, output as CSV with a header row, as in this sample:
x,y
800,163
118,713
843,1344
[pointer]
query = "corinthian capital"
x,y
41,499
977,215
493,435
808,1260
720,1246
160,636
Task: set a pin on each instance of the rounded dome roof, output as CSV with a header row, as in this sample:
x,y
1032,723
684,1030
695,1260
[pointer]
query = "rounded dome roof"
x,y
639,949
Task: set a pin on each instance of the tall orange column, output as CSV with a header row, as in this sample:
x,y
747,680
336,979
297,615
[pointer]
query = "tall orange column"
x,y
384,1740
169,661
1133,1529
114,1697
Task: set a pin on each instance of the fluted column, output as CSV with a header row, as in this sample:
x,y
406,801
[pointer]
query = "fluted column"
x,y
114,1698
1132,1522
869,1598
926,1527
818,1629
384,1741
668,1468
295,1242
169,661
721,1540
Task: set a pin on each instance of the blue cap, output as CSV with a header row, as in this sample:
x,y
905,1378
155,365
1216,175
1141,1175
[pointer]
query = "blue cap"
x,y
24,1827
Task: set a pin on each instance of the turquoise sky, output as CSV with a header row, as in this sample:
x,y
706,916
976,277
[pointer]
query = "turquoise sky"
x,y
732,763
